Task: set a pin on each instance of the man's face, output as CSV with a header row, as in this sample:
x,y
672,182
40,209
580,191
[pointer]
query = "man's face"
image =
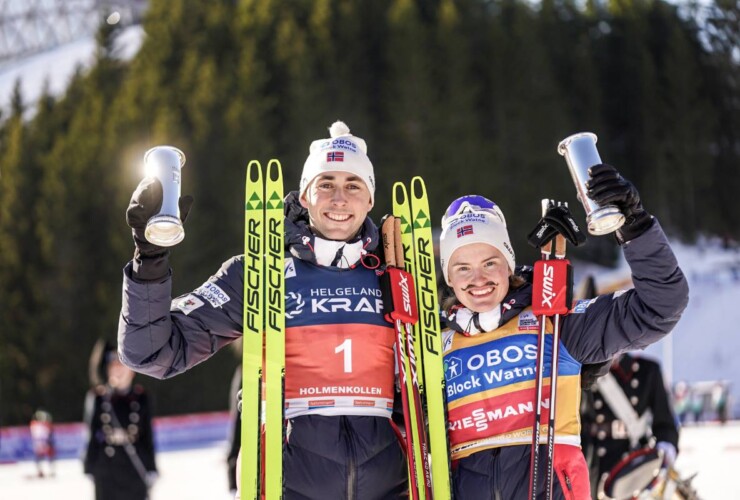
x,y
479,276
120,376
337,203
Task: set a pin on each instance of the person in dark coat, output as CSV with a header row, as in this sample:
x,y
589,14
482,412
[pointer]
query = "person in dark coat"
x,y
119,456
641,384
235,428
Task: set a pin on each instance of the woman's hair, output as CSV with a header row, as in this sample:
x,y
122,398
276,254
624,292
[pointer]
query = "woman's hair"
x,y
447,295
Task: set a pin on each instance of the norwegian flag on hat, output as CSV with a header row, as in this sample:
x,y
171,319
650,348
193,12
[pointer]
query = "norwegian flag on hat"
x,y
464,231
335,156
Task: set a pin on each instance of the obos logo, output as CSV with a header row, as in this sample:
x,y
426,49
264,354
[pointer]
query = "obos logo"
x,y
297,308
453,367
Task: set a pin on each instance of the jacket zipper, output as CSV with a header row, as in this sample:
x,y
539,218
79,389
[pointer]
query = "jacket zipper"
x,y
495,484
568,485
351,473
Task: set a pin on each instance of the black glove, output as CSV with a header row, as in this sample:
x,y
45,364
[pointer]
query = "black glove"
x,y
557,220
607,187
151,262
590,373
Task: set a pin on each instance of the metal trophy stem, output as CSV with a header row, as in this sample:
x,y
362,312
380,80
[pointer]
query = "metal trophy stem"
x,y
581,154
164,162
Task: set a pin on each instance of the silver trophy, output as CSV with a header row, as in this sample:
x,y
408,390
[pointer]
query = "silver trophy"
x,y
164,162
581,154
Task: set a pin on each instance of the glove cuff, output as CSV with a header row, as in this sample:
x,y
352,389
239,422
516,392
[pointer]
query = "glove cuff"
x,y
634,226
150,267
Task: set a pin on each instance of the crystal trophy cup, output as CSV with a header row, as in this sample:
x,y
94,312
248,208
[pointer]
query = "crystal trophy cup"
x,y
581,154
165,228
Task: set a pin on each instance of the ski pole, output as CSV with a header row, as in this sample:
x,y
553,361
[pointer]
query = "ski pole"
x,y
401,309
560,247
552,295
546,251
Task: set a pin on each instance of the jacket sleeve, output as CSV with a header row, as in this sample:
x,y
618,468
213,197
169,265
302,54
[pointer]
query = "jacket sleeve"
x,y
162,337
633,319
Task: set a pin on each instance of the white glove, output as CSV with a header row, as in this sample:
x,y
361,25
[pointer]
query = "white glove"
x,y
669,452
151,478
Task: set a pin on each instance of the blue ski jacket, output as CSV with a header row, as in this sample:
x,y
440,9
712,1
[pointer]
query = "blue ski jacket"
x,y
339,377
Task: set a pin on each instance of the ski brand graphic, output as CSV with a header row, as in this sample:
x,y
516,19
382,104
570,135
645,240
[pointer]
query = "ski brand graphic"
x,y
548,293
264,331
425,282
404,283
212,293
189,303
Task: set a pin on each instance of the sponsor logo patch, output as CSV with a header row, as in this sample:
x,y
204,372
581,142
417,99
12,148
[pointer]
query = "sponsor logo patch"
x,y
528,321
452,367
189,303
465,230
295,305
335,156
582,305
213,294
289,268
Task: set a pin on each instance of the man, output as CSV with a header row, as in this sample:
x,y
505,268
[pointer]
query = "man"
x,y
119,456
492,337
630,409
336,337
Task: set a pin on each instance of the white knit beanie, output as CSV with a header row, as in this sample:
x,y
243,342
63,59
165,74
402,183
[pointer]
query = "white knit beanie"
x,y
343,152
474,226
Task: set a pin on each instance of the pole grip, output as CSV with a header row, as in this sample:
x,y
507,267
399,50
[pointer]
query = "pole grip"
x,y
400,259
388,233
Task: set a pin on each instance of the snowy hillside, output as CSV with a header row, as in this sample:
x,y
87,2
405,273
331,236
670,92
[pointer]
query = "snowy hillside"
x,y
57,66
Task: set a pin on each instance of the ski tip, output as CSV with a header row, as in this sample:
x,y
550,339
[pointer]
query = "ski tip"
x,y
254,171
399,192
274,170
418,188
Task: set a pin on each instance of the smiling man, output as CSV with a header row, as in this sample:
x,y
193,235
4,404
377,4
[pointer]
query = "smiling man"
x,y
491,341
339,364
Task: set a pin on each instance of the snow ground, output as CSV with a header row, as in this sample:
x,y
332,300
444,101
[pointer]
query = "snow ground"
x,y
709,449
198,474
